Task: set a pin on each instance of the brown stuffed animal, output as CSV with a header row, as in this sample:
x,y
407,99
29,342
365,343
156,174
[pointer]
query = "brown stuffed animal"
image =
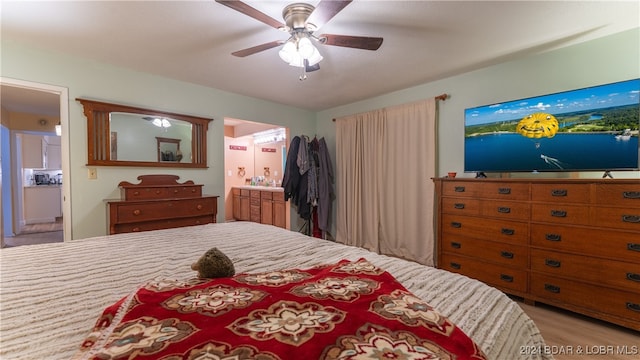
x,y
214,264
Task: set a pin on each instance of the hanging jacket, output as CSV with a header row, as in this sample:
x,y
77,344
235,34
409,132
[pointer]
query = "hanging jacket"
x,y
325,186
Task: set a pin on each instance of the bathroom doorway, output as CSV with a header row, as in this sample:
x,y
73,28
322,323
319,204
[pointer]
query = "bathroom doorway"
x,y
252,151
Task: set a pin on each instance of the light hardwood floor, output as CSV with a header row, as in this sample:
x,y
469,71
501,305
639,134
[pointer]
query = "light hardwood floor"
x,y
565,331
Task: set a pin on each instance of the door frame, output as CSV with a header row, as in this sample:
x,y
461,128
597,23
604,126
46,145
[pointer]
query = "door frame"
x,y
63,93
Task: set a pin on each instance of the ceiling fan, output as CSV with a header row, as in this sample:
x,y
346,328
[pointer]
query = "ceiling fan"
x,y
301,21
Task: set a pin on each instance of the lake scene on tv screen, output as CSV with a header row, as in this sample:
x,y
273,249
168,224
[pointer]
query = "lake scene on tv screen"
x,y
593,129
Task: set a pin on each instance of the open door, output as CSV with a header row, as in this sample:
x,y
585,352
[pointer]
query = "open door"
x,y
11,175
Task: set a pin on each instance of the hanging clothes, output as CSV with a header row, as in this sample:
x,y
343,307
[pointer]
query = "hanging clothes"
x,y
308,180
325,186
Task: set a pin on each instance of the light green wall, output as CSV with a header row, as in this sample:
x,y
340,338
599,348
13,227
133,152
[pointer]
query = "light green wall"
x,y
98,81
605,60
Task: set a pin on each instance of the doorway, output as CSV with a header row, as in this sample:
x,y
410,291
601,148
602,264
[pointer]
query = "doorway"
x,y
252,151
33,109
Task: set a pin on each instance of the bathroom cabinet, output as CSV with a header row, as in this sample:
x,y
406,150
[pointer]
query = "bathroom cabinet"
x,y
260,204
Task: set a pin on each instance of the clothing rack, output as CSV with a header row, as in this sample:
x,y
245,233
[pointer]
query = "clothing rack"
x,y
308,179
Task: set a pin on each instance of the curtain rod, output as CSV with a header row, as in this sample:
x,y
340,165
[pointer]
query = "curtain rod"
x,y
441,97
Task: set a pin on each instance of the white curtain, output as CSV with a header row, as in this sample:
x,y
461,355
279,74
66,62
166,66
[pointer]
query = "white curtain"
x,y
385,161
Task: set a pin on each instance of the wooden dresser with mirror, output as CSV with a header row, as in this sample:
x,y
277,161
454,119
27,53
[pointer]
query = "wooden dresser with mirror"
x,y
572,243
159,202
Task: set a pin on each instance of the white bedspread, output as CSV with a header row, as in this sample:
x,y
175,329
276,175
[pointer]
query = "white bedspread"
x,y
51,295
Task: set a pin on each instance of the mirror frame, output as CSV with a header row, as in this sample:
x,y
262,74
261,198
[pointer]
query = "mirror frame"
x,y
99,135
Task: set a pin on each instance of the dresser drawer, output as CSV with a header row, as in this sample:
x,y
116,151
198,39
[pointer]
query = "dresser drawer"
x,y
496,252
163,224
505,191
461,188
561,193
510,210
616,245
161,192
598,299
560,213
617,218
148,211
255,194
626,195
500,276
487,229
462,206
623,275
245,192
278,195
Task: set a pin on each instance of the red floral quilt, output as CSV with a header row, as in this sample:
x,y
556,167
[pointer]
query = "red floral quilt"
x,y
348,310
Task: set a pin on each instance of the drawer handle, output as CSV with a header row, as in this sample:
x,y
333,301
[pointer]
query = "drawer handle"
x,y
504,191
135,229
558,213
458,206
456,225
631,218
507,278
193,190
633,277
633,306
506,254
158,191
552,288
633,246
552,237
504,210
459,189
199,206
552,263
175,191
455,265
136,192
558,192
136,212
631,194
505,231
456,245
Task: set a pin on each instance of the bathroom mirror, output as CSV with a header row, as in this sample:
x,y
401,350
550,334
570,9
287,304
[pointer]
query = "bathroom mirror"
x,y
121,135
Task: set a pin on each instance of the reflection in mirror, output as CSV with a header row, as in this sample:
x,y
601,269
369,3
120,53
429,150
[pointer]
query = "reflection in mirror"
x,y
169,149
133,137
121,135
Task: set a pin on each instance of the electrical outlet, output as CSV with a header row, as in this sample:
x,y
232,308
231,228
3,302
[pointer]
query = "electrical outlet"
x,y
93,173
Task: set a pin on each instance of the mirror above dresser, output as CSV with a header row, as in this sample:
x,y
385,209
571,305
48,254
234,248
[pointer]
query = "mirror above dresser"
x,y
122,135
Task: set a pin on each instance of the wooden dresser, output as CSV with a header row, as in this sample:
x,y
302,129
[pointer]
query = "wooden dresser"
x,y
571,243
266,206
159,202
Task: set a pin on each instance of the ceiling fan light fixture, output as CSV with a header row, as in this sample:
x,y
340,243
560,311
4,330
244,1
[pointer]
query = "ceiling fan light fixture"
x,y
298,49
315,57
306,48
288,51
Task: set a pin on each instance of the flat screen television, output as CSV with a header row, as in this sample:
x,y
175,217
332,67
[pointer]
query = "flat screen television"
x,y
589,129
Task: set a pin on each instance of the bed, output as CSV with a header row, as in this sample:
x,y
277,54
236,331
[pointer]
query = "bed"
x,y
53,294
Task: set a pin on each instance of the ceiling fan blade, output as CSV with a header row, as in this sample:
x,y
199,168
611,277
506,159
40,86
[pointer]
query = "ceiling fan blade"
x,y
358,42
257,49
325,11
252,12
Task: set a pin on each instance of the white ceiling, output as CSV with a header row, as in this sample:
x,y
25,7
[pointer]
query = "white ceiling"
x,y
423,41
